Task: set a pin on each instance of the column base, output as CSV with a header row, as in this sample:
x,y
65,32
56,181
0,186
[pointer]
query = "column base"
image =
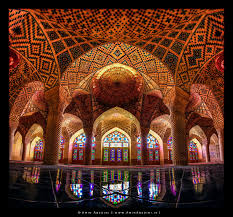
x,y
50,163
180,162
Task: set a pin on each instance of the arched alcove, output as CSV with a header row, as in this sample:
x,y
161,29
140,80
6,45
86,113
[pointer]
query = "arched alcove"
x,y
214,149
199,137
155,148
35,132
17,149
116,147
36,149
195,151
77,147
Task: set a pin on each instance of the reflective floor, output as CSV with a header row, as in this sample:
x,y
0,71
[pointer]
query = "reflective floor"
x,y
166,187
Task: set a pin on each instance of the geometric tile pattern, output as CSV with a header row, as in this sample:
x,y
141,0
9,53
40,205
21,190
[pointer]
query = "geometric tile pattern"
x,y
122,53
168,45
26,122
206,42
23,98
28,39
19,76
162,32
212,104
207,75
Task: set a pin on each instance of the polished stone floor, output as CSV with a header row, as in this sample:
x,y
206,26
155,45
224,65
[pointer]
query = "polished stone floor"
x,y
158,187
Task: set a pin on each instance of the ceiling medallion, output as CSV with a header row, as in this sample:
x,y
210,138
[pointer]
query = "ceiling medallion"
x,y
117,86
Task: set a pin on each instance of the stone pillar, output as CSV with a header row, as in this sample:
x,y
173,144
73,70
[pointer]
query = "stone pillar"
x,y
88,146
11,140
66,145
144,133
53,128
24,148
178,128
207,150
221,143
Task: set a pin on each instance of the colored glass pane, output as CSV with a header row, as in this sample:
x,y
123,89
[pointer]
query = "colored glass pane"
x,y
75,154
116,141
38,150
139,148
151,155
193,155
139,154
156,154
80,154
105,154
125,155
169,143
93,154
112,154
119,157
61,149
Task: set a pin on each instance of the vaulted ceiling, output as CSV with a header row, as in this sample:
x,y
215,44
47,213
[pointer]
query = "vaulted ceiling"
x,y
172,46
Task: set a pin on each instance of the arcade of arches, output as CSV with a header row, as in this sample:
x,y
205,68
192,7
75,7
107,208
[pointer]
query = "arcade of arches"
x,y
119,91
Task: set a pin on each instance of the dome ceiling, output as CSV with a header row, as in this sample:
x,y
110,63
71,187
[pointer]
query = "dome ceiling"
x,y
50,41
117,86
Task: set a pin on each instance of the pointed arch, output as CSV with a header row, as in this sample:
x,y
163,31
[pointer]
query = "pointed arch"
x,y
35,131
116,151
17,149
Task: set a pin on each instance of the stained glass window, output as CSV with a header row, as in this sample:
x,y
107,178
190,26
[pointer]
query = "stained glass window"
x,y
150,155
169,148
139,153
193,154
112,154
93,149
105,154
38,150
61,149
79,147
125,155
119,157
153,148
116,147
152,142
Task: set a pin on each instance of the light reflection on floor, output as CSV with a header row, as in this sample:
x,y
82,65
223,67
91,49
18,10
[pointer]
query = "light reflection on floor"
x,y
168,187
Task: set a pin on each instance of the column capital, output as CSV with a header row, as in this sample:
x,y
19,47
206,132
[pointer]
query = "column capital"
x,y
179,100
144,131
57,98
